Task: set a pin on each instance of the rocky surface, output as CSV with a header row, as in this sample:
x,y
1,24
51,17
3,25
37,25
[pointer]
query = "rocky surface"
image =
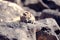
x,y
23,31
9,13
51,14
45,27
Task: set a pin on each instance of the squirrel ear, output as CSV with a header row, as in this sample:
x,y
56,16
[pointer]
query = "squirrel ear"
x,y
26,12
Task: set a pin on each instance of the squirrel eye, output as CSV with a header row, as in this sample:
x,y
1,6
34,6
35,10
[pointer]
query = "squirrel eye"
x,y
24,14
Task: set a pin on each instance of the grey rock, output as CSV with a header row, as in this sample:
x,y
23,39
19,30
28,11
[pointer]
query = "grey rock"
x,y
8,12
44,36
48,13
50,4
30,2
43,4
57,2
59,36
27,31
49,26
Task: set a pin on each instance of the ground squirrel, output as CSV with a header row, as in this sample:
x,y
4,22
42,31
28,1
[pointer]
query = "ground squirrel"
x,y
28,17
11,12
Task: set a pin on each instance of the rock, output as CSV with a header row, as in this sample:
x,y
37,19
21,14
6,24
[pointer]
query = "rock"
x,y
36,7
26,2
41,2
11,33
59,36
7,33
14,1
48,13
9,13
27,31
11,28
50,4
44,36
18,31
49,23
56,2
49,26
23,2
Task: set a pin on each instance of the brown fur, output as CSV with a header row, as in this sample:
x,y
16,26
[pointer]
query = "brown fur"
x,y
27,16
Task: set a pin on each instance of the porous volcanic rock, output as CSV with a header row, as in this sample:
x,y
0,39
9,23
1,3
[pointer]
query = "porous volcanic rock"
x,y
10,11
27,31
48,13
